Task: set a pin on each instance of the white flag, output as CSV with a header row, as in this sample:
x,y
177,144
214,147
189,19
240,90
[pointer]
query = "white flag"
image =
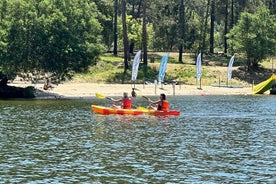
x,y
230,67
198,67
135,65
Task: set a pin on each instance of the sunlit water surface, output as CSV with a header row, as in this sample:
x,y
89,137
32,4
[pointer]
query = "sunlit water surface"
x,y
216,139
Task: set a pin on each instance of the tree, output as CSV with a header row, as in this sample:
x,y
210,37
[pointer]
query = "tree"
x,y
226,27
125,37
204,28
165,25
115,29
212,28
182,29
105,9
144,35
49,37
254,35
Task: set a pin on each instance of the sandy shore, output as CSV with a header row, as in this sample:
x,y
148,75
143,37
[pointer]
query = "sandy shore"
x,y
86,90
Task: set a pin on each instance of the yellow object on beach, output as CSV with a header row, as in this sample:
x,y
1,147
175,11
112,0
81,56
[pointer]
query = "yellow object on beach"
x,y
264,86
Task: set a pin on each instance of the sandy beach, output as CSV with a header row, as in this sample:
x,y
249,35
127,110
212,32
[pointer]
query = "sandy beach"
x,y
87,90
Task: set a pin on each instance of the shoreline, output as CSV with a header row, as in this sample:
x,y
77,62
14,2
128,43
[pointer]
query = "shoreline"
x,y
76,90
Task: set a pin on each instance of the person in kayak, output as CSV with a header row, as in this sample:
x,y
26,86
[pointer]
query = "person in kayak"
x,y
161,104
125,102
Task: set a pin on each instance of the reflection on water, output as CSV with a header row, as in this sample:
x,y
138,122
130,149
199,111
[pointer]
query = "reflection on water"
x,y
216,139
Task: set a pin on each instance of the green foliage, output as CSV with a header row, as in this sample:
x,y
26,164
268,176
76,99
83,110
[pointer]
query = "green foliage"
x,y
254,35
165,17
105,18
165,25
49,37
134,29
60,37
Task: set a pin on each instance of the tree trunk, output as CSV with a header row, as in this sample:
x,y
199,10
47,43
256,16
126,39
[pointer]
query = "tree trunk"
x,y
202,49
226,28
212,30
139,9
232,15
182,30
145,49
115,31
125,37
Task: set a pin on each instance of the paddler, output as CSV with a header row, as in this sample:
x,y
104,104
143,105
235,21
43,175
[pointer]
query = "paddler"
x,y
161,104
125,102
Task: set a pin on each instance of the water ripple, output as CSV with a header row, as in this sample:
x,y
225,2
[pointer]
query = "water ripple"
x,y
215,140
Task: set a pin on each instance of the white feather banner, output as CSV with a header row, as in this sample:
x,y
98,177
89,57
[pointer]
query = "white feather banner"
x,y
163,67
230,68
135,65
198,67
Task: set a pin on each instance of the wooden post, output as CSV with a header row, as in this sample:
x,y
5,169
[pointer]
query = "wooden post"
x,y
173,88
155,85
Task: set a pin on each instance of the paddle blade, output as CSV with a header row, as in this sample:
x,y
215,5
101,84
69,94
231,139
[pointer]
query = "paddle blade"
x,y
145,97
142,108
98,95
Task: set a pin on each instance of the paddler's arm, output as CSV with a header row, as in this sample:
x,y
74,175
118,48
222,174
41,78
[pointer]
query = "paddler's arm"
x,y
116,101
150,101
153,102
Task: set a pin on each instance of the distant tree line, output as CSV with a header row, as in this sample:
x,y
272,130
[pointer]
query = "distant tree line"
x,y
59,37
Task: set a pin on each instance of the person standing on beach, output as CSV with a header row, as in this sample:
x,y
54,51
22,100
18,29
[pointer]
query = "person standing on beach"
x,y
133,93
125,102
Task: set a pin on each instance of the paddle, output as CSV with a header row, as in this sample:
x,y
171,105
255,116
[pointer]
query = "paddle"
x,y
101,96
147,98
150,102
148,109
142,108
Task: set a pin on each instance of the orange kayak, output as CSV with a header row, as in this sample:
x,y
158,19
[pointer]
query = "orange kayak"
x,y
109,110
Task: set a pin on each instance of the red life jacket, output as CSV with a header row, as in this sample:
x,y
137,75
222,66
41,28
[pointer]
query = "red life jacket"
x,y
127,103
164,106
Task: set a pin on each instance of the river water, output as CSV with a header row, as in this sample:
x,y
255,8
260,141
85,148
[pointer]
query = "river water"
x,y
216,139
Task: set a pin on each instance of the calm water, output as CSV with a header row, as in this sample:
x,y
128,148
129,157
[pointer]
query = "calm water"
x,y
217,139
